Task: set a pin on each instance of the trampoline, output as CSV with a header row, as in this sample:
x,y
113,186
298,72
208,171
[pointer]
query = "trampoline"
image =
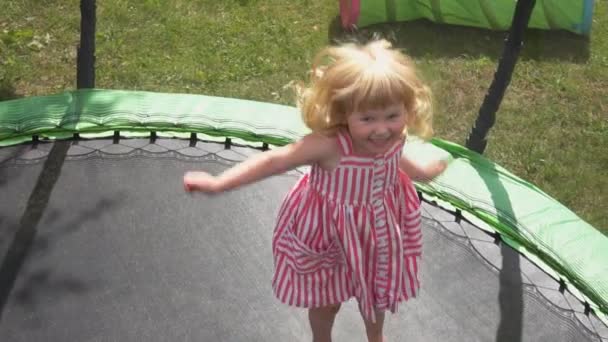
x,y
101,243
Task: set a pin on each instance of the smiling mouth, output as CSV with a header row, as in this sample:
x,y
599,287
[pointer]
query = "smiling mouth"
x,y
380,142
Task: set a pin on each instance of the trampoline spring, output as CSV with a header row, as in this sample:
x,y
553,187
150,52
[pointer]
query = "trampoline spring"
x,y
587,308
193,139
458,216
497,238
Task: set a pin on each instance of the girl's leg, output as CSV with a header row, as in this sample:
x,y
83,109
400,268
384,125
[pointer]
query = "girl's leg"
x,y
322,321
375,330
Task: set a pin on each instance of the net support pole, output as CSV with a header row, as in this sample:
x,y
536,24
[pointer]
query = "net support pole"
x,y
85,77
477,139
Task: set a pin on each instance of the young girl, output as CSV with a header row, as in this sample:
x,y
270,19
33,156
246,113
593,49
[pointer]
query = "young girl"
x,y
351,226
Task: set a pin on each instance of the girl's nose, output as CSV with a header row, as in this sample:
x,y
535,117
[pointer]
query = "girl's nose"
x,y
381,131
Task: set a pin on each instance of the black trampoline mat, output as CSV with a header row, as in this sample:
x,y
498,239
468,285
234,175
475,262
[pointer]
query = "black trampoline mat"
x,y
119,252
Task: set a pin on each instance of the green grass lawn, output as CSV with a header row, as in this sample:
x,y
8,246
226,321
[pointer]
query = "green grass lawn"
x,y
552,127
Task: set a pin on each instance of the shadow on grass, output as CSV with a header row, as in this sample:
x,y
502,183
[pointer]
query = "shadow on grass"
x,y
423,38
7,91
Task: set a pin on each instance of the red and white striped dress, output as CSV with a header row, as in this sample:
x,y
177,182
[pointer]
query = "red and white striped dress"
x,y
350,232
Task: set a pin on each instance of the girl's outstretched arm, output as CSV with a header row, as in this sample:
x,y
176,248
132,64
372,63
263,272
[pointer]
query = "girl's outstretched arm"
x,y
310,149
421,173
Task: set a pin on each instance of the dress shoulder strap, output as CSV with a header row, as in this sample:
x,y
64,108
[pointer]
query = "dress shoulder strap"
x,y
345,143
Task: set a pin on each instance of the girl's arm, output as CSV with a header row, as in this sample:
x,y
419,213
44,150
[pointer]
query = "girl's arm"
x,y
312,148
421,173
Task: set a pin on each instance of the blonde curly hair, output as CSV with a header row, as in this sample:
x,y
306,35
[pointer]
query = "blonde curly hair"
x,y
349,78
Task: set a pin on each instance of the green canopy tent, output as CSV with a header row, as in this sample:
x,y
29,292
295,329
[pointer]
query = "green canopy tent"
x,y
574,16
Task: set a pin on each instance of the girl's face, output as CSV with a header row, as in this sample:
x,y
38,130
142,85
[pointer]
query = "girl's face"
x,y
375,131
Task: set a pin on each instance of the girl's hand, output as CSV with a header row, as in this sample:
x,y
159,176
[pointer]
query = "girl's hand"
x,y
435,168
432,170
201,181
423,173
